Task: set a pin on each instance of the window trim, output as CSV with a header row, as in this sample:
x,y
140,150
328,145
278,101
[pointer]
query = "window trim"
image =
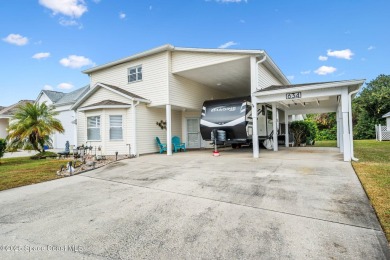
x,y
136,74
109,132
100,127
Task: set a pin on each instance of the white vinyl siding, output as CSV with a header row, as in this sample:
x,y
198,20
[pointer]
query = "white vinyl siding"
x,y
266,78
191,94
93,128
116,128
189,60
147,130
154,84
135,74
104,94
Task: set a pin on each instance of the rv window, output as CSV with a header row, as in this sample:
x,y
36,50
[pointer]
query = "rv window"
x,y
269,114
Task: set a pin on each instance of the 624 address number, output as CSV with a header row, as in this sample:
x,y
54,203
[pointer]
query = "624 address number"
x,y
294,95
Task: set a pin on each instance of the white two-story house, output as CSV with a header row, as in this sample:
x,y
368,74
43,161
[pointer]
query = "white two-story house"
x,y
128,98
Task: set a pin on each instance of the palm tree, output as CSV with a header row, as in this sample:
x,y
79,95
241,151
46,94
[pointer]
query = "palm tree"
x,y
33,124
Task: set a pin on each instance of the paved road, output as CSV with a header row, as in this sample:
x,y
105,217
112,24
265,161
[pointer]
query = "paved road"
x,y
294,204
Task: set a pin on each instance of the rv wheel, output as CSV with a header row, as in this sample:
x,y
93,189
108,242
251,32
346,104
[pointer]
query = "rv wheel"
x,y
234,146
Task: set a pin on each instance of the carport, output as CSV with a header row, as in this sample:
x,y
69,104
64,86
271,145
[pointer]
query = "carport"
x,y
309,98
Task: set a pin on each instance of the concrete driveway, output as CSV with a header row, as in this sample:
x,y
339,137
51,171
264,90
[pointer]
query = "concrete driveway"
x,y
295,204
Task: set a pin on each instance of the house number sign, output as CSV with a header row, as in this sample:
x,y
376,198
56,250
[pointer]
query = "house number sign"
x,y
294,95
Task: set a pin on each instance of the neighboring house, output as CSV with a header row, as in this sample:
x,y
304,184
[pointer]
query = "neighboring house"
x,y
382,132
387,116
6,114
62,103
129,97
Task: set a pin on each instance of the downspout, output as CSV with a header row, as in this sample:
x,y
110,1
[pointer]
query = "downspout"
x,y
350,124
257,70
134,135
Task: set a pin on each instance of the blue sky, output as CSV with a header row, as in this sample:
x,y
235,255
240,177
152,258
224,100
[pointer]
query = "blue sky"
x,y
47,43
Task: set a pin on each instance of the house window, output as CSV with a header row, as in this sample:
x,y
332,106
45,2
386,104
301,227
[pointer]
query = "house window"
x,y
135,74
93,128
116,132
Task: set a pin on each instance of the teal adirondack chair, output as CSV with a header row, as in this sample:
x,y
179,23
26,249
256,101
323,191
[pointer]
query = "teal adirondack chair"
x,y
163,147
177,144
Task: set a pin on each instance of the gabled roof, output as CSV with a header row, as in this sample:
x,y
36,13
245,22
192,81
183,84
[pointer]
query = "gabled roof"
x,y
71,97
168,47
54,96
284,88
386,115
117,90
61,98
10,110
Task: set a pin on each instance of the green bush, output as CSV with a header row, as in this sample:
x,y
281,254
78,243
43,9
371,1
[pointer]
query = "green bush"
x,y
313,130
3,145
300,130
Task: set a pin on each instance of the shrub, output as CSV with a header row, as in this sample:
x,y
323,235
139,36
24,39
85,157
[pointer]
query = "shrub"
x,y
300,130
313,130
3,145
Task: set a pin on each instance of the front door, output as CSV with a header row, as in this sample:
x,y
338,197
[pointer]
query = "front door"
x,y
193,133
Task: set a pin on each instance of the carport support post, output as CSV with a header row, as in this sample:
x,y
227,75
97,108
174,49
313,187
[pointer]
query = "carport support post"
x,y
169,129
274,127
287,139
346,129
255,136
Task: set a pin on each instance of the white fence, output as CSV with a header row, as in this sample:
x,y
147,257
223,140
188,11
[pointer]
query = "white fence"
x,y
382,132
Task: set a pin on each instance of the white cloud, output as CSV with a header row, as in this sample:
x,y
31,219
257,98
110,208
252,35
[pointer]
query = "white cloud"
x,y
47,87
122,15
16,39
68,22
322,58
343,54
291,77
74,61
71,8
65,86
371,48
41,55
306,72
324,70
227,45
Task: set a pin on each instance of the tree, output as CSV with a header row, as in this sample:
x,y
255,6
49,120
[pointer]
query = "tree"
x,y
3,145
370,105
327,125
300,129
33,124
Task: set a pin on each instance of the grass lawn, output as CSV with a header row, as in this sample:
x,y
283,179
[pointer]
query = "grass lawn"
x,y
15,172
373,170
331,143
